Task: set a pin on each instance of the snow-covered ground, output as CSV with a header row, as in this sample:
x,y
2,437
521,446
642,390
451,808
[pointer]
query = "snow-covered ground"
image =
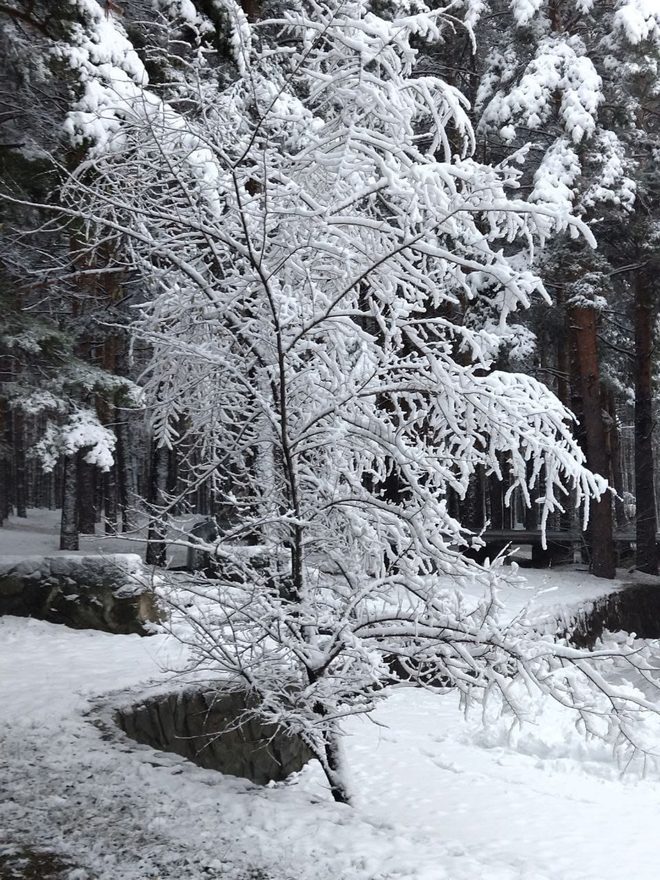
x,y
38,535
437,796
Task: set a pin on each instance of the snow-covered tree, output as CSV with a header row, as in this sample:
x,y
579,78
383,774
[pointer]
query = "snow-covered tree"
x,y
57,351
579,83
309,221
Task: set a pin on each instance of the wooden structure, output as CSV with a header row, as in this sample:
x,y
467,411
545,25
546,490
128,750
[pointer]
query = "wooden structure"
x,y
561,545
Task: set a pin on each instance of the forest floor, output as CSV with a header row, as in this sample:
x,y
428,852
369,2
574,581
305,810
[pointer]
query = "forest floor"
x,y
438,795
38,535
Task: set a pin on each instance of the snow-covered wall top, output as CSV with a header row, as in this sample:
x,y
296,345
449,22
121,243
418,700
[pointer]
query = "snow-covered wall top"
x,y
123,570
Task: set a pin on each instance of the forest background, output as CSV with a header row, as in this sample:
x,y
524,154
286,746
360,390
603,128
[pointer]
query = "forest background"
x,y
573,85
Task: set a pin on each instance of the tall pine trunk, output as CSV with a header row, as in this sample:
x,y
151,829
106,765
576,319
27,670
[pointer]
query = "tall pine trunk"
x,y
646,526
110,500
86,495
584,321
20,471
69,522
617,464
126,476
472,505
496,491
158,479
4,468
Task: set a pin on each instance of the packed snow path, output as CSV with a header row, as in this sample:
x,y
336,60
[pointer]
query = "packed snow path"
x,y
437,798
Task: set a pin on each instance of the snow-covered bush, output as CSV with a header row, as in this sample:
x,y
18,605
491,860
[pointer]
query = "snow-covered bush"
x,y
311,232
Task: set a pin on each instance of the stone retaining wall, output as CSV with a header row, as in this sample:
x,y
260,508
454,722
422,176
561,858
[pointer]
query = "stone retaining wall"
x,y
634,608
210,729
111,593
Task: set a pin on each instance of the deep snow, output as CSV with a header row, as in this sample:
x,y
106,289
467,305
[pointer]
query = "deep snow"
x,y
438,796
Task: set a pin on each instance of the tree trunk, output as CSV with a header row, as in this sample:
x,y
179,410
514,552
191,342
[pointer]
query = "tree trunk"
x,y
158,478
110,501
69,522
20,481
496,490
126,479
563,353
4,451
3,493
532,512
7,493
86,496
646,527
617,464
472,506
584,321
333,769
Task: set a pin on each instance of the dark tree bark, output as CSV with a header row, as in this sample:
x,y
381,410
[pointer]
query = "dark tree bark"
x,y
158,479
69,521
252,9
126,477
5,489
110,500
532,512
646,526
3,493
329,754
57,485
617,463
584,322
86,495
563,353
473,514
332,768
20,474
496,490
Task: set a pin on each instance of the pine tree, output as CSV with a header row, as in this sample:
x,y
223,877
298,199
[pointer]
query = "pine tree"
x,y
57,390
576,81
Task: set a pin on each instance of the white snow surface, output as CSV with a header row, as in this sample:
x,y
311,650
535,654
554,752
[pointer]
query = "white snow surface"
x,y
38,535
438,796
